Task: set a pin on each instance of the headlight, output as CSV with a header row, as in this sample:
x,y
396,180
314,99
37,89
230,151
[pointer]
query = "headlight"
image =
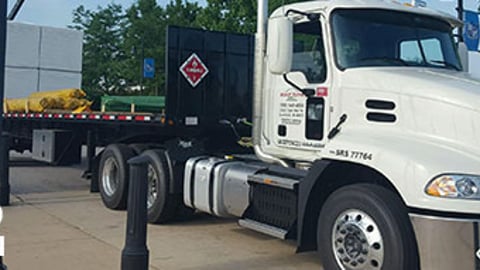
x,y
455,186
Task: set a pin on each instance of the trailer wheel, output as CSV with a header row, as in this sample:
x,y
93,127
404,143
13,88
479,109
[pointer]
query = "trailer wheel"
x,y
366,227
114,176
139,148
161,204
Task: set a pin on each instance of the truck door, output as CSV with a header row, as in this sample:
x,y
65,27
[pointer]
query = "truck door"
x,y
300,122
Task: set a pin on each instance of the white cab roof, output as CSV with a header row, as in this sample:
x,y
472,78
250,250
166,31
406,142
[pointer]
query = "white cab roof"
x,y
328,6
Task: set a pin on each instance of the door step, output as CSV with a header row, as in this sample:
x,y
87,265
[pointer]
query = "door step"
x,y
263,228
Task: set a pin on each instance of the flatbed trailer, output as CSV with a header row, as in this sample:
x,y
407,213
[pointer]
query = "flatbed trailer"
x,y
197,112
198,119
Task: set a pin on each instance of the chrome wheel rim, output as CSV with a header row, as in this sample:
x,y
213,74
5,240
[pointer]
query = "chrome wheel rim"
x,y
357,241
110,175
152,186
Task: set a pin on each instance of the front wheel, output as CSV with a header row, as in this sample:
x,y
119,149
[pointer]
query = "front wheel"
x,y
366,227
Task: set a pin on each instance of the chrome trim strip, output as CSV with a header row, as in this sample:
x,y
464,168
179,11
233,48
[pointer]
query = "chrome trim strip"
x,y
432,217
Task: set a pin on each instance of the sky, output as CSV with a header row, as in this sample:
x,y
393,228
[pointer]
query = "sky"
x,y
58,13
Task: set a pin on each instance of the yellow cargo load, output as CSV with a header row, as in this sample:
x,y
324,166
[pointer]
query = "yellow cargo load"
x,y
73,104
65,99
22,105
62,93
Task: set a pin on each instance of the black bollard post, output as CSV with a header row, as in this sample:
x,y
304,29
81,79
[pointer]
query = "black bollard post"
x,y
135,253
2,266
4,170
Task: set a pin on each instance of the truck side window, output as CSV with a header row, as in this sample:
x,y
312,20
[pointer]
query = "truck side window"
x,y
315,111
309,52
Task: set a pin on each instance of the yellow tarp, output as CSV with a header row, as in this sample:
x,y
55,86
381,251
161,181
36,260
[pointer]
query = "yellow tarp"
x,y
63,93
66,99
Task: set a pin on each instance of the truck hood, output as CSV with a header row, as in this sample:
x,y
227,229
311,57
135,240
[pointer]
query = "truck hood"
x,y
449,86
434,105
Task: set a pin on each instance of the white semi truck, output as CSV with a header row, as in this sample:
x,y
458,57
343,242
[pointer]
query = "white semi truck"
x,y
365,106
366,137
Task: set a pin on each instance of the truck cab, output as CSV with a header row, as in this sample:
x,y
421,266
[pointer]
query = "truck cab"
x,y
376,89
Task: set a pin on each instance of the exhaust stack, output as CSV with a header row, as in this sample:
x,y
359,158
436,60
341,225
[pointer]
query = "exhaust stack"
x,y
260,45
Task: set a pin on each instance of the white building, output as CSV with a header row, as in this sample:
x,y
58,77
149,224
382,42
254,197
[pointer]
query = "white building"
x,y
41,58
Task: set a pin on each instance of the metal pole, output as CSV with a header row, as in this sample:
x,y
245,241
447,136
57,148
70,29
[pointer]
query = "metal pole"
x,y
4,147
460,17
4,140
13,13
142,63
135,253
4,169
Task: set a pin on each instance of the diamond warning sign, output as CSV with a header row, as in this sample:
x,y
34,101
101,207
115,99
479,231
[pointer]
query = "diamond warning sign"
x,y
194,70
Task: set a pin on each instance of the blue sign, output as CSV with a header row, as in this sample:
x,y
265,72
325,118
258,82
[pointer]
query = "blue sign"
x,y
470,30
149,68
420,3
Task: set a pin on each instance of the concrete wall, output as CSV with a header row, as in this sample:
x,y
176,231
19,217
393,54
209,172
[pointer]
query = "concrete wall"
x,y
41,58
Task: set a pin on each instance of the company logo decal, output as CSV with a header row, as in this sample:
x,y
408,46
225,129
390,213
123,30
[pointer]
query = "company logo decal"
x,y
321,92
291,94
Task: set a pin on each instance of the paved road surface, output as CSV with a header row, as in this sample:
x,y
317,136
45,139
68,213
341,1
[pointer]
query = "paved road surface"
x,y
54,223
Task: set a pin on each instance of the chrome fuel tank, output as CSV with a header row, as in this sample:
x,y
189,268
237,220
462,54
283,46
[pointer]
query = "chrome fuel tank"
x,y
218,186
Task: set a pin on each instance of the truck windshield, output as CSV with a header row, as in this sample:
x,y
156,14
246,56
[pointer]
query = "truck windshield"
x,y
364,38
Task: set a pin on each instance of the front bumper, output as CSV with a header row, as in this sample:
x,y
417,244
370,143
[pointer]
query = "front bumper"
x,y
447,244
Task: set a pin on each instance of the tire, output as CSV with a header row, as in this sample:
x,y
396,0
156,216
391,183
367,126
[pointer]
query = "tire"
x,y
139,148
366,227
113,175
163,207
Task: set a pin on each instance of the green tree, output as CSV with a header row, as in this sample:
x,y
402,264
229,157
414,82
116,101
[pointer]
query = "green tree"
x,y
229,15
144,36
182,13
234,15
117,41
102,47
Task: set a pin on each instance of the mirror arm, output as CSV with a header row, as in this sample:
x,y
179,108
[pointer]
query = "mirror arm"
x,y
308,92
310,16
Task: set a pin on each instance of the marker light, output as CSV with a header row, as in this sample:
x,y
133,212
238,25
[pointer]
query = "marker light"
x,y
454,186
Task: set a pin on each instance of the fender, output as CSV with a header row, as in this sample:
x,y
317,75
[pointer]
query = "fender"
x,y
404,165
409,163
324,177
304,191
176,153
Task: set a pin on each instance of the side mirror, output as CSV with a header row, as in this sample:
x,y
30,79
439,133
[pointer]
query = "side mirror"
x,y
298,78
463,54
280,45
295,78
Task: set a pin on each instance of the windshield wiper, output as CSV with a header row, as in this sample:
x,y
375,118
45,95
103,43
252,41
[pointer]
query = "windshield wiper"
x,y
446,64
386,59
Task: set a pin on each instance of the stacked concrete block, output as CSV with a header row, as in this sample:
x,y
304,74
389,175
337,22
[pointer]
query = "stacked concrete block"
x,y
41,58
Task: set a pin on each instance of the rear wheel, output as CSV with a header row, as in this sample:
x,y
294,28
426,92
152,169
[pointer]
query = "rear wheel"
x,y
114,176
139,148
161,204
366,227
